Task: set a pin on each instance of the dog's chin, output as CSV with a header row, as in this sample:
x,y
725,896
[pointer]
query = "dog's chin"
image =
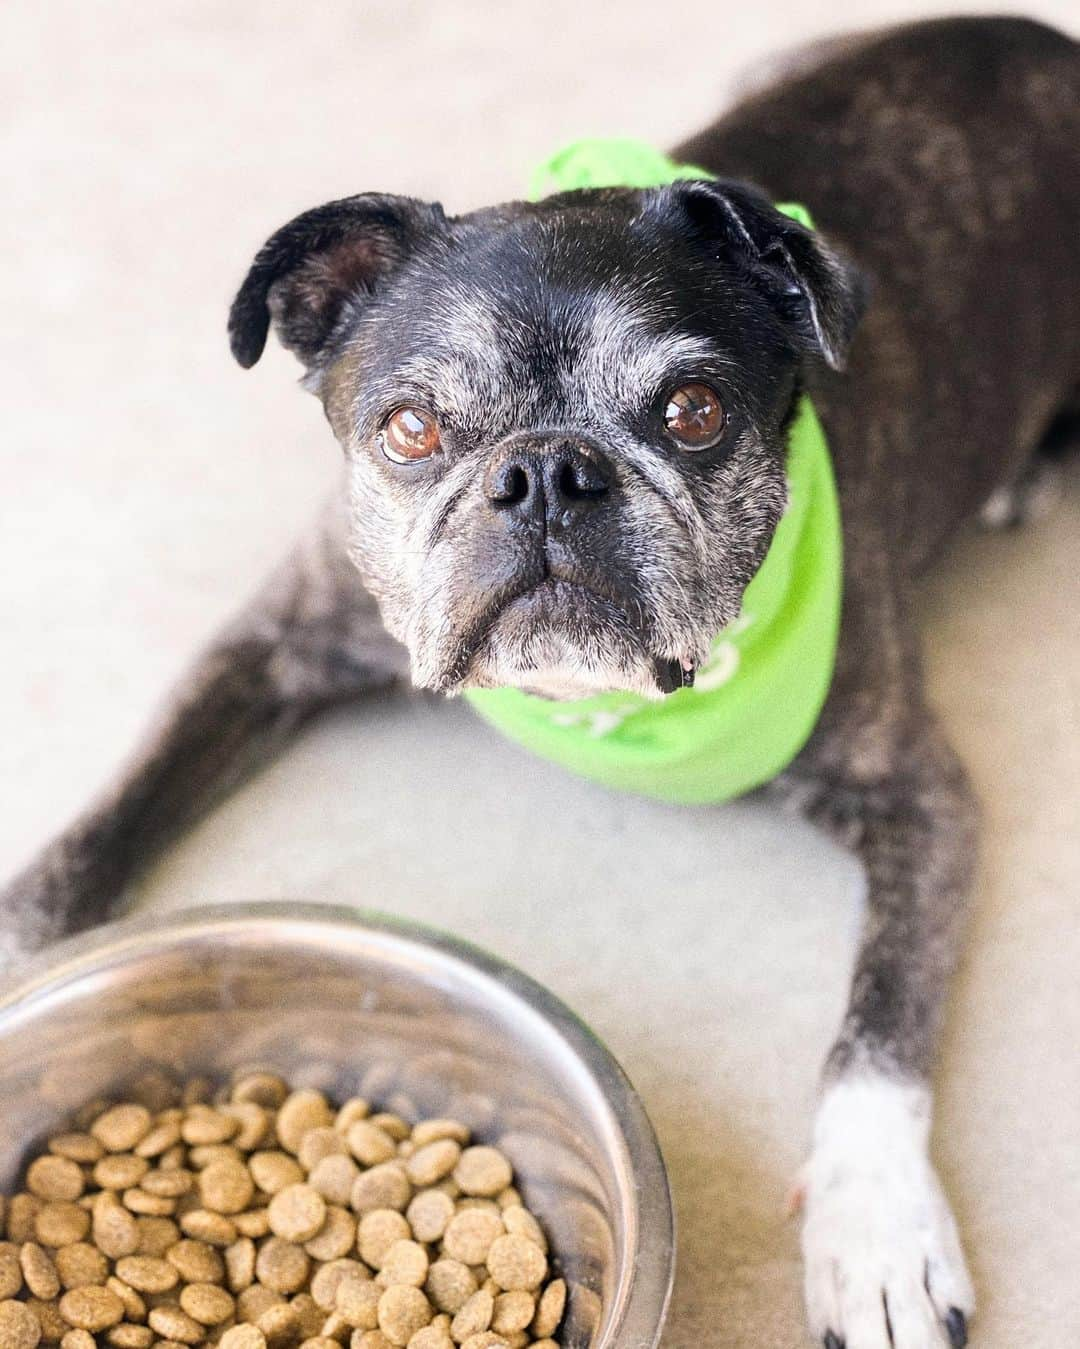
x,y
561,675
564,642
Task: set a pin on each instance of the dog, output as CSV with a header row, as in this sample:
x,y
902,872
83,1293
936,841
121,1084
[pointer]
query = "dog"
x,y
523,508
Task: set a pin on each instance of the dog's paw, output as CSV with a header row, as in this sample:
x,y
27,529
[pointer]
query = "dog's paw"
x,y
883,1264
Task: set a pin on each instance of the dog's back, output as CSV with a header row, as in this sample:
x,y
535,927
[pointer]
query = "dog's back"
x,y
945,157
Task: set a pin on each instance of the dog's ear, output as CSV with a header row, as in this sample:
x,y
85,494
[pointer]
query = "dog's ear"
x,y
816,290
322,264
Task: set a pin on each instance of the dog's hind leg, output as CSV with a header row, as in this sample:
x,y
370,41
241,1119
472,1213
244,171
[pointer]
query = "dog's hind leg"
x,y
311,637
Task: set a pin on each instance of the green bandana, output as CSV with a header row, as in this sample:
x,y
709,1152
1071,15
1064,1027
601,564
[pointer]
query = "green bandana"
x,y
757,698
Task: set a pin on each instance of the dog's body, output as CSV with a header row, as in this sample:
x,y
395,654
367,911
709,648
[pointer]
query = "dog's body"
x,y
942,158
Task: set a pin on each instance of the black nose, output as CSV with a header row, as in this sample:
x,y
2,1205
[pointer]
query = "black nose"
x,y
552,481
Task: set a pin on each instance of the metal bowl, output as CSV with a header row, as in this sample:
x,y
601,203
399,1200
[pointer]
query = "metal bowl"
x,y
357,1003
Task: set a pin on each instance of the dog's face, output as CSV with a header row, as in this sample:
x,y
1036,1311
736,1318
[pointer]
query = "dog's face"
x,y
564,423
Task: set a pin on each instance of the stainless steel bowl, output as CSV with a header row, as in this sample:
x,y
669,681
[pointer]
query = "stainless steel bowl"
x,y
355,1002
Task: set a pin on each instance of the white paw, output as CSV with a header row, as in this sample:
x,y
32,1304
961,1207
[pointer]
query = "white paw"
x,y
883,1264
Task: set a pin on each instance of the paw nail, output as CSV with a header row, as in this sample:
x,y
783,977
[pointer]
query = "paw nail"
x,y
956,1325
831,1341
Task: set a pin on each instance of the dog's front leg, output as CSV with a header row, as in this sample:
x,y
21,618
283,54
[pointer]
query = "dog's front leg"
x,y
883,1262
311,637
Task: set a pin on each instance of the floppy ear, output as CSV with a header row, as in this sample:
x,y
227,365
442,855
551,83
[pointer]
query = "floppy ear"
x,y
318,266
816,290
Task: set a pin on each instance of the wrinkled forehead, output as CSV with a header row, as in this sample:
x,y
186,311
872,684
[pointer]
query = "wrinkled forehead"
x,y
549,320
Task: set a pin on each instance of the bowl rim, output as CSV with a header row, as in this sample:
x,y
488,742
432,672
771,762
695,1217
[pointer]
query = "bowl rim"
x,y
651,1252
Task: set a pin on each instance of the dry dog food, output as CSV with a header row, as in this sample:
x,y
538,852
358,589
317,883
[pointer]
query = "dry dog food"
x,y
265,1218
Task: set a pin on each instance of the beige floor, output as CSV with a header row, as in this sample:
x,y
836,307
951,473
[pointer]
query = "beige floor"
x,y
148,483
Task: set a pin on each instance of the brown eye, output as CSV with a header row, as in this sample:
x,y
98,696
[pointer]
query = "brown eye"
x,y
410,434
694,416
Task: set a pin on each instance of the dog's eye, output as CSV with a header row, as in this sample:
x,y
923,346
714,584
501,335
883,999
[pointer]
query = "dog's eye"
x,y
694,416
411,433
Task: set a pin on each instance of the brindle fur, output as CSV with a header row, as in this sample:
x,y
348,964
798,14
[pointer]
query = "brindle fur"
x,y
943,159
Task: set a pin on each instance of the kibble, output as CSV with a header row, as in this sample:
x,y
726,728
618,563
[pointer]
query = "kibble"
x,y
203,1127
213,1228
474,1316
243,1337
432,1337
11,1279
239,1265
77,1147
282,1266
91,1308
278,1323
52,1324
134,1306
326,1281
433,1161
173,1323
159,1140
61,1223
384,1186
316,1144
549,1310
357,1302
254,1124
55,1178
264,1218
254,1223
334,1177
22,1213
516,1262
470,1234
207,1303
336,1237
78,1339
519,1220
310,1317
19,1327
122,1128
301,1111
351,1110
146,1274
403,1311
428,1214
127,1336
156,1235
370,1144
120,1171
405,1262
265,1089
297,1213
226,1187
377,1232
39,1272
273,1171
483,1171
450,1284
254,1301
114,1230
512,1312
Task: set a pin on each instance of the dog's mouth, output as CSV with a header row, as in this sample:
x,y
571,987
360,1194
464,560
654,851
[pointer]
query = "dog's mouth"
x,y
565,635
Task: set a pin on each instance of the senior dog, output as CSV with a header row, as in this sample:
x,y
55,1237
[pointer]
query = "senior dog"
x,y
565,431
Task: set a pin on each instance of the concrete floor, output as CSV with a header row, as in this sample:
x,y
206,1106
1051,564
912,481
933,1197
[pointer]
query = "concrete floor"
x,y
149,483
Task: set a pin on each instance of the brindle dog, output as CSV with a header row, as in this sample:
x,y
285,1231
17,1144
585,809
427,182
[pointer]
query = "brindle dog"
x,y
531,501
